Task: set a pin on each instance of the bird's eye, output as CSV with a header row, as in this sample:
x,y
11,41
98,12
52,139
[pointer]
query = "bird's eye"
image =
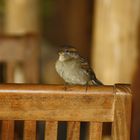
x,y
66,51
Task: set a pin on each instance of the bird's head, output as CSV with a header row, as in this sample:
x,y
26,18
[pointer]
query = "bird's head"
x,y
67,53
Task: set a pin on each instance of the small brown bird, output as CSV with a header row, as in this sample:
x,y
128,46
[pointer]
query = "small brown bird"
x,y
74,69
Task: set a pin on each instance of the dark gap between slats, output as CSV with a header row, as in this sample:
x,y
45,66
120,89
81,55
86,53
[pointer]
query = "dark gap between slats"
x,y
19,125
2,72
83,130
0,128
107,129
62,130
40,129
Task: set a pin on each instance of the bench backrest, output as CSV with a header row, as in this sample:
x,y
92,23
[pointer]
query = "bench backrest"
x,y
52,103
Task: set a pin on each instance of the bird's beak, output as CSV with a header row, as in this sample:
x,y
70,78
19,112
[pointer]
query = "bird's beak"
x,y
59,53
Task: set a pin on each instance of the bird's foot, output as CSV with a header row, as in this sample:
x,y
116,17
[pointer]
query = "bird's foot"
x,y
86,87
65,86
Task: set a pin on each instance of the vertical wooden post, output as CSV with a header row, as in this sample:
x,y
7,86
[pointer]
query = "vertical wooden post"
x,y
31,62
51,130
30,130
10,72
115,39
8,126
7,130
135,134
21,16
122,117
77,19
73,131
95,131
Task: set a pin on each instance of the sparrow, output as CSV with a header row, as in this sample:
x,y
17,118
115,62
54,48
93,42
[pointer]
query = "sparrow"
x,y
74,69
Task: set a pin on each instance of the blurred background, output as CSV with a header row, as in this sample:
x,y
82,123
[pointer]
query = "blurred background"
x,y
106,32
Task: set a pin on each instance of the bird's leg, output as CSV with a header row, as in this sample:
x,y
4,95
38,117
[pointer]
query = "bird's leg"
x,y
86,86
65,86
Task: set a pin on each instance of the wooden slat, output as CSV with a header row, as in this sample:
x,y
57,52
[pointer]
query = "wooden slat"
x,y
44,101
73,131
10,68
122,121
34,60
18,45
15,45
7,130
30,130
8,126
95,131
51,130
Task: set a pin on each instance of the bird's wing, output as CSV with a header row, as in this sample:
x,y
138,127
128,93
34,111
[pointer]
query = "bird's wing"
x,y
85,65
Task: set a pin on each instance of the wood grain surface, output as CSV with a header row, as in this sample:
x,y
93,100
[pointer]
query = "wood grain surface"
x,y
44,103
52,103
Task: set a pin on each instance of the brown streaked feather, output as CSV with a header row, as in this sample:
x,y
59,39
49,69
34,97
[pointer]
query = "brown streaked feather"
x,y
89,71
68,48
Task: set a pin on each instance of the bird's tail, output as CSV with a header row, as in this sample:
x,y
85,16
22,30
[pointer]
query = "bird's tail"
x,y
96,82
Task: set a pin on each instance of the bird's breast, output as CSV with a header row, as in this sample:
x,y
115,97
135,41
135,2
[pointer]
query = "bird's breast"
x,y
71,72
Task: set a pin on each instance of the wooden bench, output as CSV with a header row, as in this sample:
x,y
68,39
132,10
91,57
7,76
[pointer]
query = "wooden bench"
x,y
23,51
20,49
52,103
